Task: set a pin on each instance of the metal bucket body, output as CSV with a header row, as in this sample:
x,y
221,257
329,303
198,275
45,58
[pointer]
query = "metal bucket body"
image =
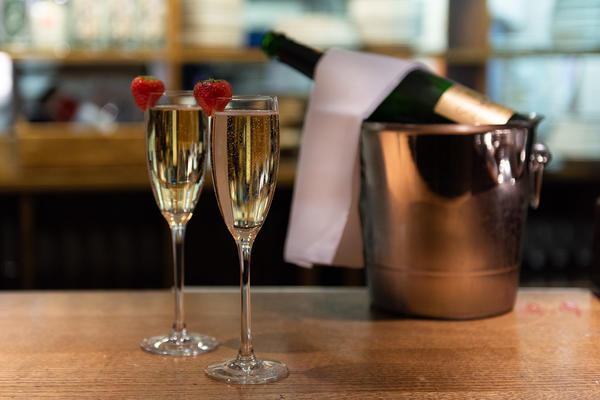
x,y
443,209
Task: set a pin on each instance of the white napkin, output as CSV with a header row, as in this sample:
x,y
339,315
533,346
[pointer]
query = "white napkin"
x,y
324,224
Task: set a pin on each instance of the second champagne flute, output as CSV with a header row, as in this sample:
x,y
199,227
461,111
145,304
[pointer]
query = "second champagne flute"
x,y
176,144
245,159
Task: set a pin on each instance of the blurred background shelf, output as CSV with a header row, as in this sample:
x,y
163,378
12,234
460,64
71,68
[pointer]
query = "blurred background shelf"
x,y
67,144
65,156
220,55
58,157
139,56
73,181
202,55
86,56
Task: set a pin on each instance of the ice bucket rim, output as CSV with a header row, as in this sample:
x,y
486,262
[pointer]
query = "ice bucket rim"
x,y
452,129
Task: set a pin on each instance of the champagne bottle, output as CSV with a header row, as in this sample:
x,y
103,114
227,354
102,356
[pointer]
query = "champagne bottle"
x,y
421,97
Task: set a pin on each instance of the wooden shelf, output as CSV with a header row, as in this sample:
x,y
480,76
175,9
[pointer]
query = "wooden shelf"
x,y
220,54
63,156
457,56
466,56
141,56
83,57
68,144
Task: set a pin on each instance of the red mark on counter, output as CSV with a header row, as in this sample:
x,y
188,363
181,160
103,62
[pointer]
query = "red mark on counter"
x,y
533,308
569,306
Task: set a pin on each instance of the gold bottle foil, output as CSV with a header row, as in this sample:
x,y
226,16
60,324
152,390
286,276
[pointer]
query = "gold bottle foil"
x,y
465,106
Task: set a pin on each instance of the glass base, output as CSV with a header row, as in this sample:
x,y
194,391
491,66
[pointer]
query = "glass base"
x,y
179,344
250,371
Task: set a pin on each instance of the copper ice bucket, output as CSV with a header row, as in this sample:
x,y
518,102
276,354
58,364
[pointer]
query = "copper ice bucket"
x,y
443,209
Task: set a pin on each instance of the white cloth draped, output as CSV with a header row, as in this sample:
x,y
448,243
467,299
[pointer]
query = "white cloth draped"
x,y
324,224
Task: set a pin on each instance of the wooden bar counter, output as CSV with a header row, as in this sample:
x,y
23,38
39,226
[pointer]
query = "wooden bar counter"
x,y
84,345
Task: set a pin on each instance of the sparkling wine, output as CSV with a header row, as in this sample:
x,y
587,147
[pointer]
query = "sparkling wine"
x,y
176,159
245,161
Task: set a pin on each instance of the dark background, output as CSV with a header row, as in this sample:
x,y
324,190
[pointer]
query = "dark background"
x,y
120,240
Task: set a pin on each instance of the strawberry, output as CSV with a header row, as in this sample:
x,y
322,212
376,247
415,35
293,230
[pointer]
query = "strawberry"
x,y
146,91
213,94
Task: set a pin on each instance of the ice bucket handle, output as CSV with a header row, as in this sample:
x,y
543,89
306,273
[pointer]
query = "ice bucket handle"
x,y
540,156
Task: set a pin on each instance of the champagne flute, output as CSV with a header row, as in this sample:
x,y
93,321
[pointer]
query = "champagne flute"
x,y
245,160
176,144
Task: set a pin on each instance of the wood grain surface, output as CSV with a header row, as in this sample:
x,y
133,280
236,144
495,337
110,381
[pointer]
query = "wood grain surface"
x,y
84,345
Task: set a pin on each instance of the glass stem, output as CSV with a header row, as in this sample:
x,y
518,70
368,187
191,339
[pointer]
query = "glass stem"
x,y
246,352
177,238
209,131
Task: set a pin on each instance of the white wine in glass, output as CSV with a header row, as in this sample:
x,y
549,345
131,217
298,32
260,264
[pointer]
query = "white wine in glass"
x,y
245,161
176,141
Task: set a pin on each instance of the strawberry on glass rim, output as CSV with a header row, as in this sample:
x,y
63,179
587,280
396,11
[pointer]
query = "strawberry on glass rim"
x,y
146,91
213,95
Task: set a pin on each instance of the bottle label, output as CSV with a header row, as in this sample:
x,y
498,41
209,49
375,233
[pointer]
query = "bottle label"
x,y
465,106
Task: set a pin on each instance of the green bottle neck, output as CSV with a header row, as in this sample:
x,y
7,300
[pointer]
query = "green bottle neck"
x,y
287,51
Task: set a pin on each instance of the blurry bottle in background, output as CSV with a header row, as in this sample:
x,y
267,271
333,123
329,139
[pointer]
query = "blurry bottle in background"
x,y
212,23
48,24
88,24
153,31
122,31
14,33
